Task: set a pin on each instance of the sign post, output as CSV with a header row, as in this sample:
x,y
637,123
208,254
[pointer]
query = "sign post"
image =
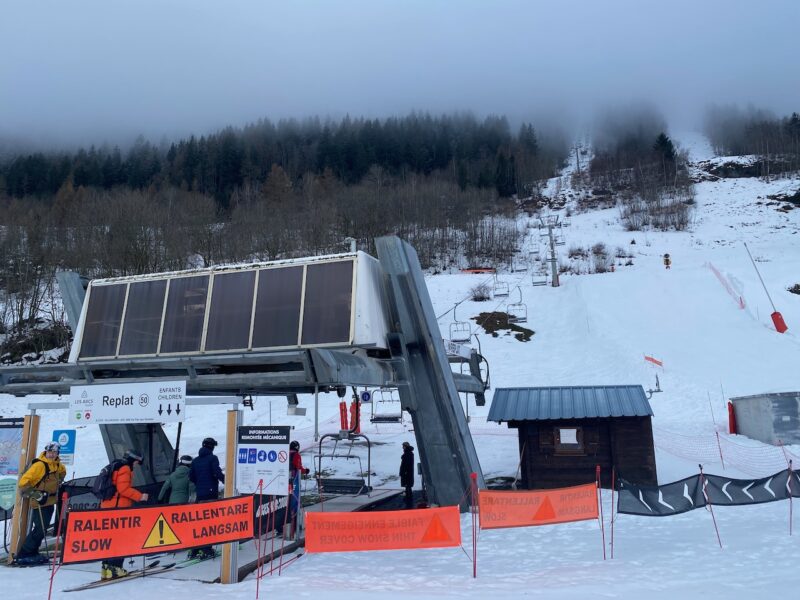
x,y
66,439
229,571
126,403
263,455
19,524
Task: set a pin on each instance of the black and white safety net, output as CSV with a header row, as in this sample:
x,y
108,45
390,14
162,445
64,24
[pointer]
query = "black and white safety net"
x,y
699,490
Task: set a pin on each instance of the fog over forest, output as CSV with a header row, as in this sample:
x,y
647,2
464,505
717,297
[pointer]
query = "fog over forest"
x,y
94,71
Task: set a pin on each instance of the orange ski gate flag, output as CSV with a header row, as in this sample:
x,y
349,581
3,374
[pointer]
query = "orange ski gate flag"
x,y
383,530
655,361
543,507
119,532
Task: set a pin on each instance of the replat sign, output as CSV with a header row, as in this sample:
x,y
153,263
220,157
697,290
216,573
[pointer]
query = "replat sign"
x,y
106,404
119,532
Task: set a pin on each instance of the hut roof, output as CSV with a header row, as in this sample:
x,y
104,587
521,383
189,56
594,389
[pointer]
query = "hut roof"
x,y
572,402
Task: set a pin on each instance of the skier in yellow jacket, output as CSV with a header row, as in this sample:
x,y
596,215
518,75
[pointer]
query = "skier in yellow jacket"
x,y
40,483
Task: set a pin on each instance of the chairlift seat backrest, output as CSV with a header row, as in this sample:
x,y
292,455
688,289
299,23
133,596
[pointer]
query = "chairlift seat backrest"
x,y
460,331
517,313
501,288
386,408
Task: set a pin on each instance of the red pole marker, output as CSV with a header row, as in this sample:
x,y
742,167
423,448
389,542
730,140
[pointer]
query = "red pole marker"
x,y
708,503
61,517
600,515
474,511
613,512
777,318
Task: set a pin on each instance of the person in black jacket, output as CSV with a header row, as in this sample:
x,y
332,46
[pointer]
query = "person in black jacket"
x,y
407,472
206,476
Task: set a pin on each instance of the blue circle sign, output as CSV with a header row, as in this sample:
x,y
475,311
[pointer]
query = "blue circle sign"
x,y
273,456
262,456
366,396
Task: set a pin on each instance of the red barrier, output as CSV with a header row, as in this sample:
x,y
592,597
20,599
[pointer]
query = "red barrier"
x,y
541,507
114,532
383,530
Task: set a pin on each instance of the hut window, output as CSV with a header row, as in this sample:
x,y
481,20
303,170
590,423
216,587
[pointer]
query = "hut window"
x,y
568,440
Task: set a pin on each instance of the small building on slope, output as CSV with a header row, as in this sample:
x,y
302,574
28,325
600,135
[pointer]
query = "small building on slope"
x,y
772,418
565,432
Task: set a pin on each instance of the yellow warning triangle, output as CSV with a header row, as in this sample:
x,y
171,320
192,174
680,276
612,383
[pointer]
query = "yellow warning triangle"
x,y
161,535
436,531
545,512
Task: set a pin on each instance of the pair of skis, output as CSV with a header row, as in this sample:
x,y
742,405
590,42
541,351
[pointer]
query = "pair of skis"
x,y
153,568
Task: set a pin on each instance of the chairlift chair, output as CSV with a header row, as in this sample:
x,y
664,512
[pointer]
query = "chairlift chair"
x,y
517,312
538,279
460,331
518,265
500,288
386,407
353,486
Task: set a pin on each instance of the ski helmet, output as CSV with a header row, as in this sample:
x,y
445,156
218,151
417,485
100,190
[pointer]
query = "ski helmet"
x,y
295,445
209,442
186,460
53,447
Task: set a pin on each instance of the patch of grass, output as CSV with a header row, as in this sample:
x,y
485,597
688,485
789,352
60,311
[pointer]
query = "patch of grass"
x,y
492,322
481,293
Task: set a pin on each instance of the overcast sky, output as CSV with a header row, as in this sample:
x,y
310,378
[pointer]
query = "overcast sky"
x,y
78,71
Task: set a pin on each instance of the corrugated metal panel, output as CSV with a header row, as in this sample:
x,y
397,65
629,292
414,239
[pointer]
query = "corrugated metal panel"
x,y
574,402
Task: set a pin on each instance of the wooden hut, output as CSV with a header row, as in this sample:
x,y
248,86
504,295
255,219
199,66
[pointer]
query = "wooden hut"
x,y
565,432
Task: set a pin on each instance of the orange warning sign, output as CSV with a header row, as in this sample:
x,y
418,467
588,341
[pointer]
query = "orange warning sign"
x,y
118,532
383,530
542,507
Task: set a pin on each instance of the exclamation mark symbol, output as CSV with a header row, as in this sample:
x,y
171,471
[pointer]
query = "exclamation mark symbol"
x,y
161,531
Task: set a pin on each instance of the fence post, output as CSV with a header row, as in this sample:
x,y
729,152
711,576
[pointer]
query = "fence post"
x,y
708,503
600,513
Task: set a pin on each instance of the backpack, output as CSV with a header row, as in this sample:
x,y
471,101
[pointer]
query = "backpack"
x,y
46,471
103,487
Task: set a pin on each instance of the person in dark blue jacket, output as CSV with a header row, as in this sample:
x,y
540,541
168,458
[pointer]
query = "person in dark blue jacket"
x,y
206,476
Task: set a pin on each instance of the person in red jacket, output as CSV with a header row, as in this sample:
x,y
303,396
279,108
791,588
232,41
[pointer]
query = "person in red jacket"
x,y
124,496
296,461
296,469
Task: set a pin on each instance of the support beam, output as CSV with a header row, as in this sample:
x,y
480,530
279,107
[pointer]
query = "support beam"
x,y
229,569
428,393
19,524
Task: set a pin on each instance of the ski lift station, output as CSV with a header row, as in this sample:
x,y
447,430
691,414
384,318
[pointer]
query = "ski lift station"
x,y
304,326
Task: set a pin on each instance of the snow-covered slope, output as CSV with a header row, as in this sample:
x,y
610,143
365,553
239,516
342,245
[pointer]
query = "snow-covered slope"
x,y
593,329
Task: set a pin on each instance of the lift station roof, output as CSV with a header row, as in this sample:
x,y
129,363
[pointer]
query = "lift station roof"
x,y
328,301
